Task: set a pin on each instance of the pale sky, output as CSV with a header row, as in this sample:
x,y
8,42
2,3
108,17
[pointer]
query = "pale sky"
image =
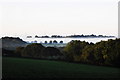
x,y
63,17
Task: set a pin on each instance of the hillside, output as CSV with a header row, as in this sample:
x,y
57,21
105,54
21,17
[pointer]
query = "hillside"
x,y
10,43
32,69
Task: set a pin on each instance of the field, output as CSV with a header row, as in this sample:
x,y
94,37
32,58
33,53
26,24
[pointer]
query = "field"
x,y
30,68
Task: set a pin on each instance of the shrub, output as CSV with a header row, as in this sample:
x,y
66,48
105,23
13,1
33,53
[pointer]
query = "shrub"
x,y
51,52
33,50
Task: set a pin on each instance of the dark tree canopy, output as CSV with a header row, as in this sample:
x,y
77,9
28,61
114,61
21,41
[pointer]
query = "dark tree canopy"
x,y
50,42
51,51
55,41
33,50
101,53
74,48
45,42
61,42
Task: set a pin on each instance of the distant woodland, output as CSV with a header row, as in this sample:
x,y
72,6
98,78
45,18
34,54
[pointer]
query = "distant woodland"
x,y
70,36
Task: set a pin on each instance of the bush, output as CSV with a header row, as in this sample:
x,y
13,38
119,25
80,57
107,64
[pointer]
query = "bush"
x,y
52,52
33,50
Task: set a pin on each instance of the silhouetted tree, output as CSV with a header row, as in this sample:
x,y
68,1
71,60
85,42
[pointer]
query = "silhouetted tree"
x,y
50,42
54,41
61,42
45,42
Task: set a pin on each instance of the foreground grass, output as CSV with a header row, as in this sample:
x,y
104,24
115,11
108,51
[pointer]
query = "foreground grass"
x,y
30,68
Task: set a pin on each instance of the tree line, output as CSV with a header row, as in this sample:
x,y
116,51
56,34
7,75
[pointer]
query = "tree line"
x,y
69,36
101,53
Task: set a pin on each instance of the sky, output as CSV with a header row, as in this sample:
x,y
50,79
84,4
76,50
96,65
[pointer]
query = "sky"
x,y
60,17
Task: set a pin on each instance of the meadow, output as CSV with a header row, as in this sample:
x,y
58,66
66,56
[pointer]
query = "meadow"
x,y
33,68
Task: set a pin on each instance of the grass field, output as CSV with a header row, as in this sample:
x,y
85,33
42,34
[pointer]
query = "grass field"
x,y
30,68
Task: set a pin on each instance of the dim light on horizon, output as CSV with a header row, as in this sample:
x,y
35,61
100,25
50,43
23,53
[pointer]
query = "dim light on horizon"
x,y
60,17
